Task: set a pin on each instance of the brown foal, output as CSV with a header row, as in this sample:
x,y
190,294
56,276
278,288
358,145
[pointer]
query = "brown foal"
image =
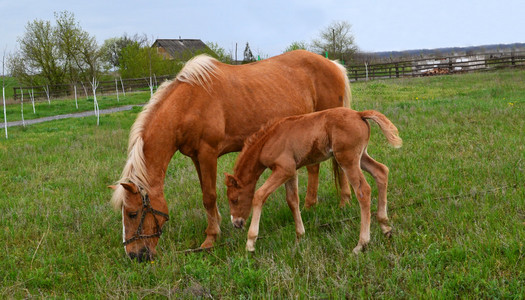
x,y
297,141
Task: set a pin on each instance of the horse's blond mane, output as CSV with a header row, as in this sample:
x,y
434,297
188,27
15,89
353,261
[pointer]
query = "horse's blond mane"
x,y
197,71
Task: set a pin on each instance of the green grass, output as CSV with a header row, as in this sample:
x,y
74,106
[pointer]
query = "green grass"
x,y
67,106
456,202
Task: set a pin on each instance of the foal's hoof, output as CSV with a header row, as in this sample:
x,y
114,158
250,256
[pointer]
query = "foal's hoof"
x,y
250,246
358,249
388,234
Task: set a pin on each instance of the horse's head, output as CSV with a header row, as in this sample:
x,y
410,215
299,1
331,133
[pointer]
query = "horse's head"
x,y
240,199
142,220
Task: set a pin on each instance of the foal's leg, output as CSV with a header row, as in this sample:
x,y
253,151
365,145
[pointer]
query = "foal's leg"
x,y
346,192
292,198
350,166
206,165
276,179
313,186
380,174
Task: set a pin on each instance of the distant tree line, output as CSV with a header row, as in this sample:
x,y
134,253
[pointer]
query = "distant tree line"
x,y
64,53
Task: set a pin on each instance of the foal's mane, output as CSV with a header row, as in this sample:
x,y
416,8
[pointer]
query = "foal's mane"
x,y
197,71
255,141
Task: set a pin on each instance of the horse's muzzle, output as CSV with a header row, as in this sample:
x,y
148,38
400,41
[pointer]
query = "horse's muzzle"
x,y
143,255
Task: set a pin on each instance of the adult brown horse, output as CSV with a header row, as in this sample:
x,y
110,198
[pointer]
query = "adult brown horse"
x,y
207,111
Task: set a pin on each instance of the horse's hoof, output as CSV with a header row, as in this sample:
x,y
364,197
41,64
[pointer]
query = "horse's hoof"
x,y
309,205
208,243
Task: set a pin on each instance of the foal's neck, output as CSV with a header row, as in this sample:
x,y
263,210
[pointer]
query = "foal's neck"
x,y
248,168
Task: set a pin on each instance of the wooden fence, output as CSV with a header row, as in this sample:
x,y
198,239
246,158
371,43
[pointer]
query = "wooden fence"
x,y
436,66
84,88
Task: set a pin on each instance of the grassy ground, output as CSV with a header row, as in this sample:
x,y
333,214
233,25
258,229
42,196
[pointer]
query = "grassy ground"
x,y
67,106
456,192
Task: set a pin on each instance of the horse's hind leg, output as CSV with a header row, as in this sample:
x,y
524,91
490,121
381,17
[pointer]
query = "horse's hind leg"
x,y
380,174
352,170
292,198
313,186
345,192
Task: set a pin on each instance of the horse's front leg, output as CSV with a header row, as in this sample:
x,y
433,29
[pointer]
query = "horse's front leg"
x,y
206,165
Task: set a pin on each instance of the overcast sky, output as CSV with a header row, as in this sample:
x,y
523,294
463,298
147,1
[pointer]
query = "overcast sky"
x,y
272,25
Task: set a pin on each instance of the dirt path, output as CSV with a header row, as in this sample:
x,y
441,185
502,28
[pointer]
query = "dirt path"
x,y
66,116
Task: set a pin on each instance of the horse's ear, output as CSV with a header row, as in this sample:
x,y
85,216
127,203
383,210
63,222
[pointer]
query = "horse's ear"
x,y
113,187
130,187
231,181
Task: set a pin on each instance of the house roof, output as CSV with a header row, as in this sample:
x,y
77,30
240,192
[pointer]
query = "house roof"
x,y
178,48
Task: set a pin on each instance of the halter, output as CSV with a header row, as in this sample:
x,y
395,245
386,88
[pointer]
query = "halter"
x,y
146,208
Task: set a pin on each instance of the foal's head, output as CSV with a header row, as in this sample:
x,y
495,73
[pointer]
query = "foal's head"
x,y
142,220
240,199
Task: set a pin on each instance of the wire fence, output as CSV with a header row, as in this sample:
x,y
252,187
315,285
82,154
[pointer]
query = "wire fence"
x,y
84,89
436,66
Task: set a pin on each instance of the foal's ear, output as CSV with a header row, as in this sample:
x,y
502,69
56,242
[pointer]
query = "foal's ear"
x,y
231,181
130,187
113,187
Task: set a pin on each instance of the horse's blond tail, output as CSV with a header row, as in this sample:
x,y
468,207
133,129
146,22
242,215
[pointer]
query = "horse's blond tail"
x,y
389,129
347,97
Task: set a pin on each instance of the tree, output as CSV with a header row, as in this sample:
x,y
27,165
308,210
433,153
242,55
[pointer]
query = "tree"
x,y
137,61
38,52
336,40
296,46
55,54
111,50
219,52
248,55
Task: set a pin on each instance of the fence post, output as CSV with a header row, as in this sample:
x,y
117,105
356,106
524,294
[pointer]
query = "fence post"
x,y
14,93
397,70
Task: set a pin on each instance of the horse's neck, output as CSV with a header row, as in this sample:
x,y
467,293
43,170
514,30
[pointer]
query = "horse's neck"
x,y
159,148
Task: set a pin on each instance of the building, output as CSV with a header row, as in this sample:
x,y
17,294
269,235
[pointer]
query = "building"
x,y
180,49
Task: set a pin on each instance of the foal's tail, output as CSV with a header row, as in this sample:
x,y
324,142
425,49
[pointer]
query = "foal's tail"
x,y
389,130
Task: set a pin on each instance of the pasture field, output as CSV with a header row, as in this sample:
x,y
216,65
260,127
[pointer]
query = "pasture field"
x,y
68,106
456,203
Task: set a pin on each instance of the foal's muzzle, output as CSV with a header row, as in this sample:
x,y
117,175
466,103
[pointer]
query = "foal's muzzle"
x,y
238,222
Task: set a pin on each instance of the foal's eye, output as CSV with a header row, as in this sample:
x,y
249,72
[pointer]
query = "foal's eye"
x,y
133,215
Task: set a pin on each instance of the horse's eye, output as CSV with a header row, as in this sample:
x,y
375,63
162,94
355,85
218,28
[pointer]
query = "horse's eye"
x,y
133,215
